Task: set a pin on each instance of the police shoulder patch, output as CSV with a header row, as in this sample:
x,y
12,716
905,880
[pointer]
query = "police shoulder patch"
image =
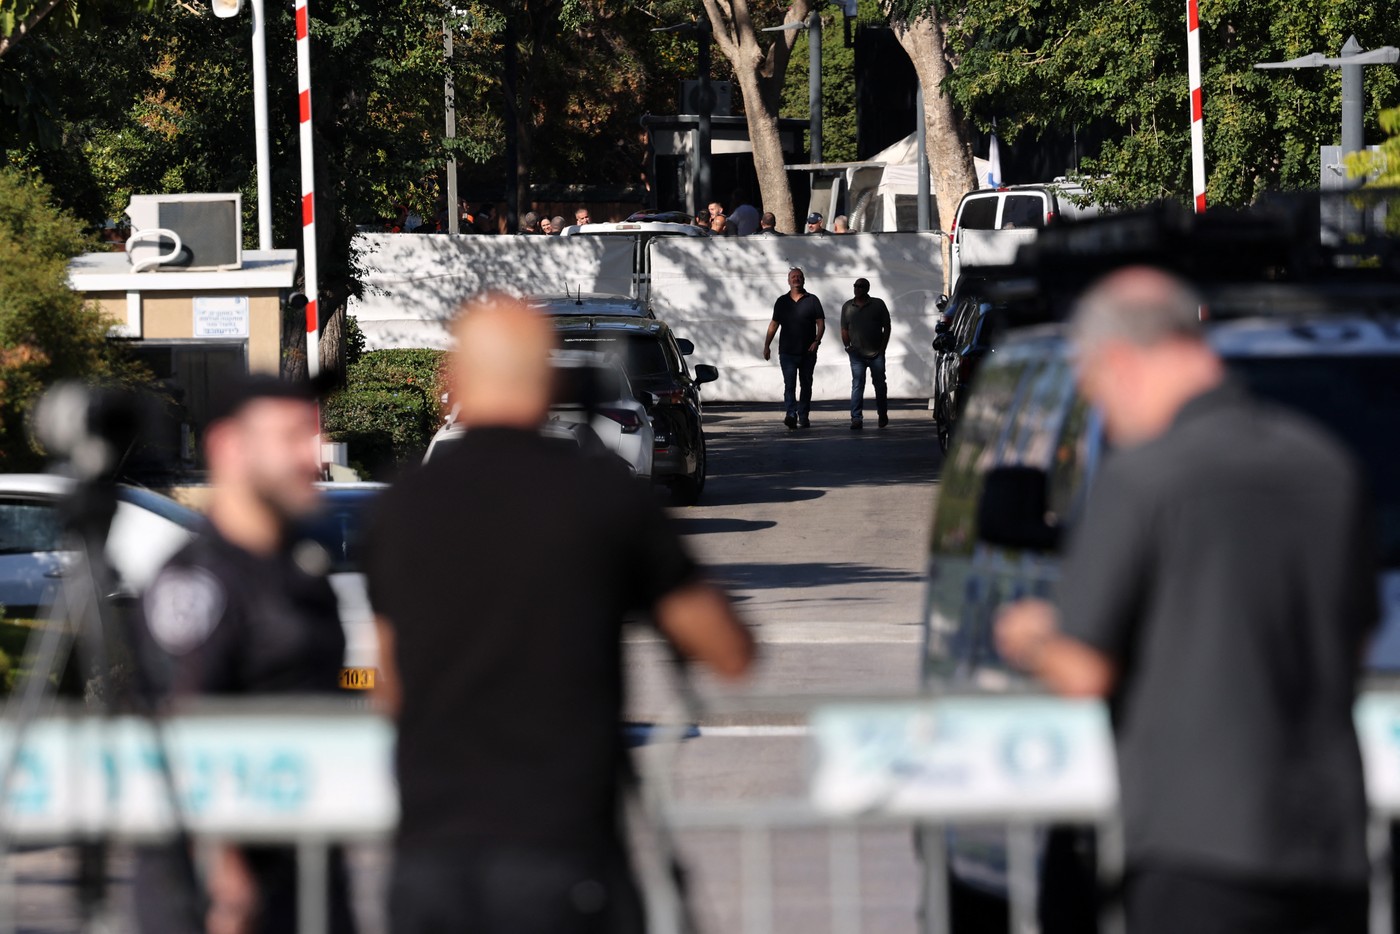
x,y
183,606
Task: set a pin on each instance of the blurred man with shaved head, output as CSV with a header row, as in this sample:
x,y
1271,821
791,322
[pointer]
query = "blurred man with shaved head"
x,y
1218,591
500,575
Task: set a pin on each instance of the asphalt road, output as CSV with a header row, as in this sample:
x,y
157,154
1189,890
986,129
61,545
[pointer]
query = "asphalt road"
x,y
820,536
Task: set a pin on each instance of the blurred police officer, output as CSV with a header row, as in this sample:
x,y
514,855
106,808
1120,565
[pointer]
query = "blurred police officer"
x,y
500,575
1218,591
246,609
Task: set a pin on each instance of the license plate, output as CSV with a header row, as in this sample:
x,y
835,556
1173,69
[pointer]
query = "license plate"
x,y
358,679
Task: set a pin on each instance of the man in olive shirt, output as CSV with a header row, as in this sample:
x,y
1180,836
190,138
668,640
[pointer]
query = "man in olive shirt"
x,y
1218,592
865,332
798,315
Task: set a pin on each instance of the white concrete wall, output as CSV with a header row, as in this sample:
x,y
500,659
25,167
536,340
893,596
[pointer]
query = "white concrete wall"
x,y
414,282
720,294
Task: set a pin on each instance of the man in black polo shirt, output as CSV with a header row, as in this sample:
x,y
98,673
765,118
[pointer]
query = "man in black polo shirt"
x,y
1219,592
500,575
798,314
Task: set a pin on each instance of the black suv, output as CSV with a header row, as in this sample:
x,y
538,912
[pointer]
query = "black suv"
x,y
960,342
654,360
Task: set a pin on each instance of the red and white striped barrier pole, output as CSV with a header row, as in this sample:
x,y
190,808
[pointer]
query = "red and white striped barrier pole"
x,y
308,192
1198,137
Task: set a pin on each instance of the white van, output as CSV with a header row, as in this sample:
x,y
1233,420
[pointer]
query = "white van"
x,y
992,223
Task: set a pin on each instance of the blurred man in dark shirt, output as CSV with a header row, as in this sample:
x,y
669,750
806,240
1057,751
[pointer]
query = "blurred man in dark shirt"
x,y
798,315
1219,592
246,609
500,576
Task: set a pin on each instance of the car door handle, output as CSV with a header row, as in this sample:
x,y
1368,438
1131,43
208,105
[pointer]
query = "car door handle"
x,y
55,572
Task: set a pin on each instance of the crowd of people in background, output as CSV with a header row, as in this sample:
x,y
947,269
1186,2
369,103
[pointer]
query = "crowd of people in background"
x,y
740,219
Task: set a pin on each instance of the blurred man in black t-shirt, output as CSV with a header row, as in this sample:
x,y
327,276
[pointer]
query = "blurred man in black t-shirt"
x,y
245,609
500,575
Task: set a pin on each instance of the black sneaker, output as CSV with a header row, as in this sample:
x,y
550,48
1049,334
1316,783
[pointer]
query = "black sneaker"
x,y
884,419
791,422
857,424
805,423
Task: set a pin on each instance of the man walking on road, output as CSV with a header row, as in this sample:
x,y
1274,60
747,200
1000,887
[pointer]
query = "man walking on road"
x,y
865,332
507,685
1218,592
798,314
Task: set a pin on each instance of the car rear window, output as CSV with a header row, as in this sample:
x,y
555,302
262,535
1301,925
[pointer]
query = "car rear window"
x,y
1023,212
978,214
641,354
586,385
1357,399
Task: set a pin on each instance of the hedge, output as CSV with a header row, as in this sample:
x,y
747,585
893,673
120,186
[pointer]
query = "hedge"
x,y
388,410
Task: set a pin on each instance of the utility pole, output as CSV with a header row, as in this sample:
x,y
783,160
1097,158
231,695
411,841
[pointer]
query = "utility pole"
x,y
1353,112
1352,63
921,163
814,84
454,217
703,182
509,78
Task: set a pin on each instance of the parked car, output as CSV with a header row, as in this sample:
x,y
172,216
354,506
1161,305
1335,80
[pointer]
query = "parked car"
x,y
591,303
960,342
1024,412
339,527
991,224
654,361
146,530
595,408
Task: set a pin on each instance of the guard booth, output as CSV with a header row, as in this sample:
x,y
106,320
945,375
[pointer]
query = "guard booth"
x,y
192,304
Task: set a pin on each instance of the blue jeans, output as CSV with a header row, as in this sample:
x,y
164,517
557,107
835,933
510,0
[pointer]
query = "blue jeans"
x,y
877,376
798,366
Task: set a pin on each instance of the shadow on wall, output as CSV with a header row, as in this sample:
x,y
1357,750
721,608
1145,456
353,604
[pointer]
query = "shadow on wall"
x,y
720,294
415,282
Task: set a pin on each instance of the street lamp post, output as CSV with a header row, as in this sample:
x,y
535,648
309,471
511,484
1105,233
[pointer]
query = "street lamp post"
x,y
224,9
449,92
1351,62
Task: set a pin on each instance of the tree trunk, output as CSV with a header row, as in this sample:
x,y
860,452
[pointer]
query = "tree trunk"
x,y
949,139
768,159
760,73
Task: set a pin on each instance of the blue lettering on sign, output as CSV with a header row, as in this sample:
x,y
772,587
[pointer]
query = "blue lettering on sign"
x,y
29,790
1034,753
284,785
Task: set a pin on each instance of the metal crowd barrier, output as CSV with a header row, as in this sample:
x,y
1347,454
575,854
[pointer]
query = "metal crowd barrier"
x,y
312,774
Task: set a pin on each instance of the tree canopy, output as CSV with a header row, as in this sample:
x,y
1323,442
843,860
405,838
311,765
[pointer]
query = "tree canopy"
x,y
47,333
1053,65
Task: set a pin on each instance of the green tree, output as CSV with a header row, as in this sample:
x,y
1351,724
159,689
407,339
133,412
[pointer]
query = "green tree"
x,y
838,88
47,333
1057,64
1382,167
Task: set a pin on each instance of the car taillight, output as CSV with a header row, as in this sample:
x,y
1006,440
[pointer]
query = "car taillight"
x,y
630,421
1049,218
964,370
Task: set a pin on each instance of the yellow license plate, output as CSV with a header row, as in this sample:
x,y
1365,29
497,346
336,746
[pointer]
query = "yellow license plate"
x,y
358,679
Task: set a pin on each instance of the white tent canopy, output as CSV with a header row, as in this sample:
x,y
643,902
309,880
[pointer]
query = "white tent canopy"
x,y
899,179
